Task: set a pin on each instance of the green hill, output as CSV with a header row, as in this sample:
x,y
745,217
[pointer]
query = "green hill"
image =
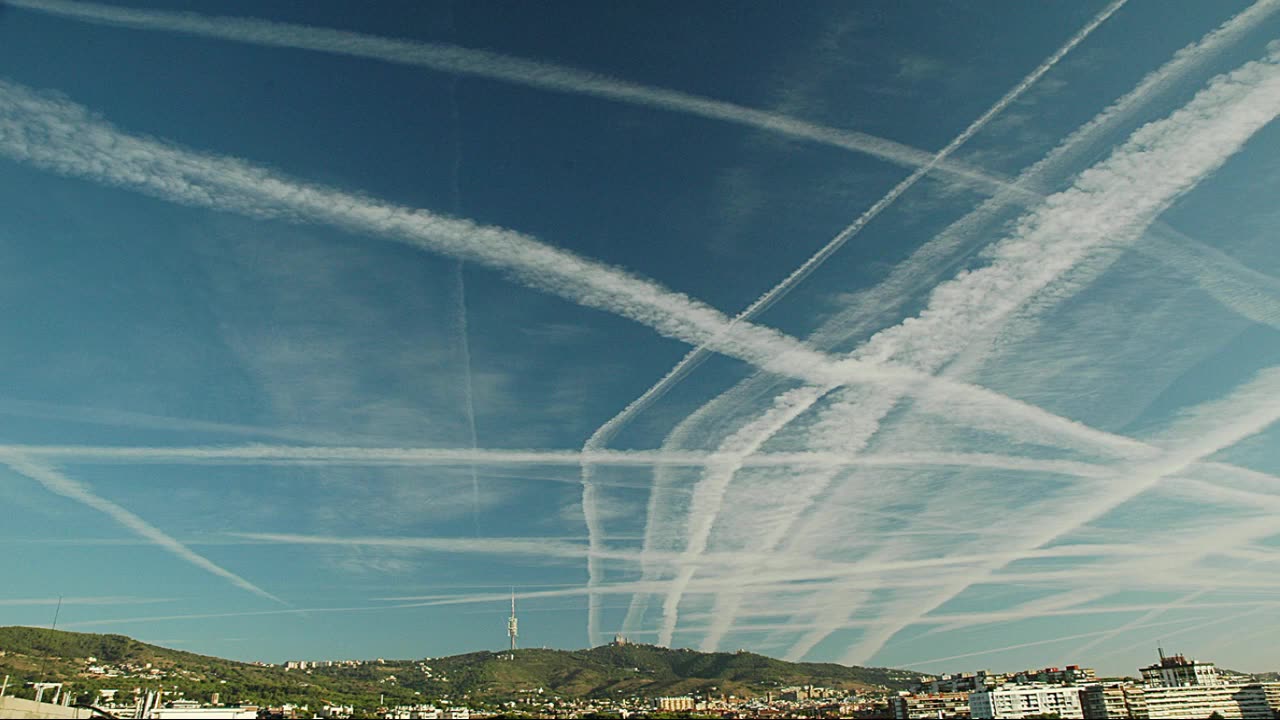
x,y
626,670
479,677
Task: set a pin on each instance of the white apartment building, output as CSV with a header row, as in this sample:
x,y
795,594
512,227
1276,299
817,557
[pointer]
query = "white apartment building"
x,y
1241,702
674,704
1019,701
1102,701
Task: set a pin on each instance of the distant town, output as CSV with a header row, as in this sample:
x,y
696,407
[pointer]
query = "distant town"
x,y
1173,686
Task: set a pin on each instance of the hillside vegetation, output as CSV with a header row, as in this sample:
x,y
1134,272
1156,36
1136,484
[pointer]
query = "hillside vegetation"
x,y
479,677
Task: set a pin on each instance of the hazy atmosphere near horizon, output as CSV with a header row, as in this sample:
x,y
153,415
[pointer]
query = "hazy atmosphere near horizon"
x,y
934,335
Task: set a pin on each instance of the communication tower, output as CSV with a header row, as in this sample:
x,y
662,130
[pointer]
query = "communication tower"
x,y
512,623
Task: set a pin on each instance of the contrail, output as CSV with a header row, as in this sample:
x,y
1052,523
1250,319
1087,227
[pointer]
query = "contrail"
x,y
1210,428
984,618
1037,643
106,600
1250,410
659,494
126,418
709,493
300,454
494,66
778,565
696,356
1199,551
1110,203
915,273
468,397
56,482
464,334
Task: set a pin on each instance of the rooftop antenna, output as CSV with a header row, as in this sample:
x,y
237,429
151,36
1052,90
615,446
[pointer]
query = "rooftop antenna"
x,y
1161,651
512,623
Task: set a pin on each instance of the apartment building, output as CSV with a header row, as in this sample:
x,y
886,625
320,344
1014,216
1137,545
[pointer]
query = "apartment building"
x,y
928,706
1024,700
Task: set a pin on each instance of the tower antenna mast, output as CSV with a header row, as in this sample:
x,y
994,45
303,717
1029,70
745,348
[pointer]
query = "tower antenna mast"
x,y
512,624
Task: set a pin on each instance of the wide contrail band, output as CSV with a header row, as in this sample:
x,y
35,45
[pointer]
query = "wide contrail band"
x,y
504,68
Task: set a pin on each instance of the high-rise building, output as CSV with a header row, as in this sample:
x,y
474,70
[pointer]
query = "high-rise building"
x,y
1243,702
1113,700
1024,700
1178,671
1177,687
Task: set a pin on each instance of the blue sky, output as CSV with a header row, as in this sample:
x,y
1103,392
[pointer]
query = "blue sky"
x,y
940,336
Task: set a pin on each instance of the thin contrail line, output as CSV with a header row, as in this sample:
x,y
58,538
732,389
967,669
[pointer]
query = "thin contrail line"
x,y
464,335
495,66
1037,643
299,454
58,483
469,404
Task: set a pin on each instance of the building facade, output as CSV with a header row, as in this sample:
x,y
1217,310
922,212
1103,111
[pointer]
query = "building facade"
x,y
1240,702
1113,700
1024,700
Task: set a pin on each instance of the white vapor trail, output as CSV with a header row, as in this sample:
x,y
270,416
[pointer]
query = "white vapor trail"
x,y
494,66
58,483
468,396
1110,204
180,455
1036,643
1208,429
105,600
695,357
